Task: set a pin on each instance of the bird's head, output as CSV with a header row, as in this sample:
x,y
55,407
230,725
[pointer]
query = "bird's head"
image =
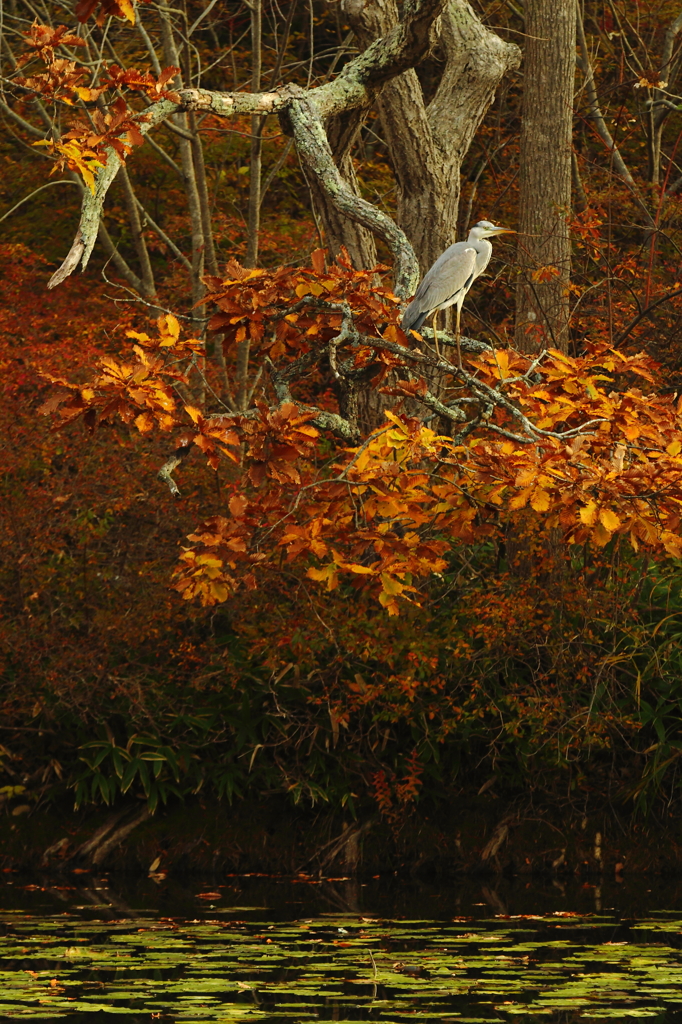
x,y
484,229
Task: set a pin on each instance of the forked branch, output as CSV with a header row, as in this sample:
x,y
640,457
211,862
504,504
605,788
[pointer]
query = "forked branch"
x,y
401,48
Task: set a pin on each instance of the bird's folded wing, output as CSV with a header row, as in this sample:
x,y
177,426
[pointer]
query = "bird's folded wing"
x,y
451,273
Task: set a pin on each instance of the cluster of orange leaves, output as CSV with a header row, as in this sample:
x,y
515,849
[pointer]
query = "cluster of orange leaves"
x,y
574,442
391,793
106,9
247,299
84,147
62,77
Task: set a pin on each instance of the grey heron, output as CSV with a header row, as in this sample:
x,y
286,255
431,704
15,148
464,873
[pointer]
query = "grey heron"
x,y
450,278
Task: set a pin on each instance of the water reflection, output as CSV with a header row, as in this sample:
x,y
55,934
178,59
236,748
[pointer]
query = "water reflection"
x,y
386,897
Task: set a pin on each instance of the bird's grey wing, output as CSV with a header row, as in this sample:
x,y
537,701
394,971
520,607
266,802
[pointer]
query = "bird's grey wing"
x,y
452,272
413,317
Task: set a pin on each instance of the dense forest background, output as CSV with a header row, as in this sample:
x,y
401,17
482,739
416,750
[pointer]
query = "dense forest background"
x,y
531,659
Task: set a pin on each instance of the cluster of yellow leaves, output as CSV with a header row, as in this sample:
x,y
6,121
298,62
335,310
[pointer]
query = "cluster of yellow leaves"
x,y
390,543
168,331
76,157
365,526
619,472
208,571
599,462
84,150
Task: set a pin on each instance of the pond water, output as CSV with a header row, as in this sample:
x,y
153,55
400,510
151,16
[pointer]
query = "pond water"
x,y
278,951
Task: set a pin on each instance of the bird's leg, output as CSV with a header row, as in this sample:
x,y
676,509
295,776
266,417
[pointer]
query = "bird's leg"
x,y
459,351
435,333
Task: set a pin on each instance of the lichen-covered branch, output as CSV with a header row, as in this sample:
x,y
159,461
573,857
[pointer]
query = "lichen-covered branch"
x,y
402,47
325,420
315,151
170,465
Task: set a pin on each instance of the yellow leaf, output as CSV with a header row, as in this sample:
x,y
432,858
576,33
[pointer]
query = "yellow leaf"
x,y
326,574
672,543
495,495
195,413
520,500
126,9
219,591
389,603
169,329
540,500
141,336
144,422
646,531
526,476
302,290
588,513
502,363
360,569
609,519
390,585
674,448
210,561
600,535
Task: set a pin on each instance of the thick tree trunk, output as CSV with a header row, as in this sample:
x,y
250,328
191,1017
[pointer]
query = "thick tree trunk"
x,y
544,249
544,253
427,143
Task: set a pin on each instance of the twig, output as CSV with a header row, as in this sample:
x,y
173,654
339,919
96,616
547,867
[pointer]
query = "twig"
x,y
640,316
49,184
170,465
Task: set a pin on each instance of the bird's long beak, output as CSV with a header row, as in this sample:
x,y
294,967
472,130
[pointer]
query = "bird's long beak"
x,y
503,231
